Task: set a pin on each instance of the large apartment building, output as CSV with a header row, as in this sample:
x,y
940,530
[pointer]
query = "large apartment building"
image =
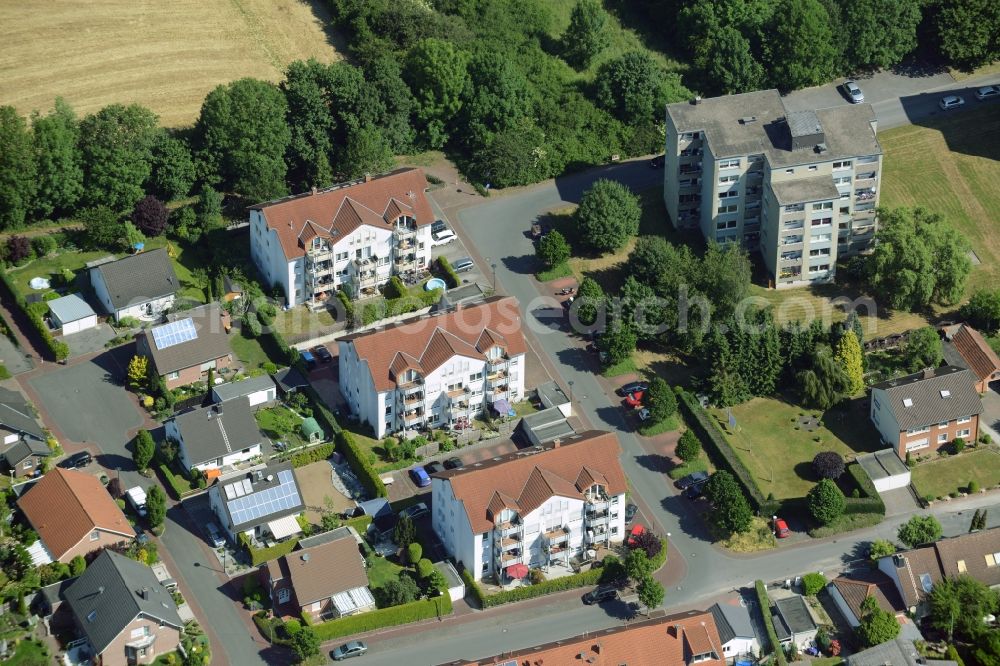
x,y
352,236
800,187
533,507
435,371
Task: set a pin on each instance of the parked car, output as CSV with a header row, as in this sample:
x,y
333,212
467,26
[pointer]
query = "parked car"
x,y
634,399
454,463
657,162
214,536
352,512
853,92
308,359
137,500
951,102
695,491
634,533
781,529
348,650
442,237
419,476
433,467
633,387
77,460
416,511
644,414
691,479
322,353
988,92
463,265
438,225
630,511
599,594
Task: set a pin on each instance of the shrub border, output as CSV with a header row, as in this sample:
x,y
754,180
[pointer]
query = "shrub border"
x,y
772,636
424,609
57,348
450,276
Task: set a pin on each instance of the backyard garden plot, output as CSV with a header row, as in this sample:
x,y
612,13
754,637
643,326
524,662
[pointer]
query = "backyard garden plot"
x,y
953,474
282,424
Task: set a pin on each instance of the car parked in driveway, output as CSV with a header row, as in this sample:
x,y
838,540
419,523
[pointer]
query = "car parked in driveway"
x,y
634,399
454,463
77,460
951,102
636,531
781,529
853,92
416,511
695,491
463,265
442,237
420,477
633,387
348,650
988,92
630,511
322,353
691,479
644,414
433,467
215,536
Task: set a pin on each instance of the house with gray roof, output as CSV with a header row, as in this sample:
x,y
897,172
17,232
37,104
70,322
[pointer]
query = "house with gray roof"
x,y
190,344
793,623
261,503
289,380
928,410
219,435
124,613
258,390
897,652
142,285
25,445
735,630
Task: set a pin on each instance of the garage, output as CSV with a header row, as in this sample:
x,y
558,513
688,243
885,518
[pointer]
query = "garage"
x,y
885,469
72,314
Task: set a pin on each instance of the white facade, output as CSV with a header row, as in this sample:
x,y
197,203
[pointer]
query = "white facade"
x,y
456,391
236,457
90,321
150,309
559,529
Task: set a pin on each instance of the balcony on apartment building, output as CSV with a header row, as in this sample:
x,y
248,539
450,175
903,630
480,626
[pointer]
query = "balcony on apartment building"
x,y
790,273
865,194
412,398
791,240
693,169
404,259
413,416
557,538
509,528
507,543
513,557
496,377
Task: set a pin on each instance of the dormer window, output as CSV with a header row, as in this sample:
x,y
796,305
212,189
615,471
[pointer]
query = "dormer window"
x,y
907,402
495,353
596,492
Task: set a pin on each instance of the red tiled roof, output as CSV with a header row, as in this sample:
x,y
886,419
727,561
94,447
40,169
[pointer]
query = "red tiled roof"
x,y
980,357
856,587
664,641
342,209
532,478
65,506
424,343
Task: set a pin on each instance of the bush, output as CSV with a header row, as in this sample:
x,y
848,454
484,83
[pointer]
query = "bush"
x,y
266,312
472,587
825,501
812,583
448,273
688,447
44,245
292,626
18,249
552,249
414,552
309,456
584,579
394,288
424,568
973,487
828,465
958,445
250,326
58,349
436,607
359,463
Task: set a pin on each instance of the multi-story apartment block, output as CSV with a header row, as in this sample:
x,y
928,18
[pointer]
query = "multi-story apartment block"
x,y
352,236
799,187
927,410
435,371
535,507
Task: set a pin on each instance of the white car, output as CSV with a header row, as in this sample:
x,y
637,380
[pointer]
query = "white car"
x,y
951,102
988,92
854,92
442,237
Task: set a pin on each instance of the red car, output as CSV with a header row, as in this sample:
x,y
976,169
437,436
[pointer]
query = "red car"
x,y
781,528
636,531
634,399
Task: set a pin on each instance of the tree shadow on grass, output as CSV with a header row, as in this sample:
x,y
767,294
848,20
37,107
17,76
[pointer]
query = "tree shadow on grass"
x,y
850,423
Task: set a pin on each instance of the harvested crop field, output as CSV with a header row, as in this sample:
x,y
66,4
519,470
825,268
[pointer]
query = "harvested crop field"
x,y
164,55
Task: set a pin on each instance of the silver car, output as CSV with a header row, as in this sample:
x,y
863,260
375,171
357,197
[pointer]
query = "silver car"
x,y
348,650
464,264
988,92
951,102
854,92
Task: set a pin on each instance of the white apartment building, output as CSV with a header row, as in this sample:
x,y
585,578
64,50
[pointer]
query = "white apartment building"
x,y
352,236
799,187
435,371
536,507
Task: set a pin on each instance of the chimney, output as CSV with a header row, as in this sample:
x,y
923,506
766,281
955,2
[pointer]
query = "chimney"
x,y
144,593
556,442
928,373
368,177
305,557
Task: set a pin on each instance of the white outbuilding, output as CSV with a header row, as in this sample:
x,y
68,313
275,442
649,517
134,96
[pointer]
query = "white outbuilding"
x,y
72,314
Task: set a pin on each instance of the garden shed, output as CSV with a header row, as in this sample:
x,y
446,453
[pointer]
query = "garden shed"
x,y
311,432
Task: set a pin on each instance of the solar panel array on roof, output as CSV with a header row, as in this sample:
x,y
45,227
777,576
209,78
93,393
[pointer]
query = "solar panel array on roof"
x,y
174,333
247,505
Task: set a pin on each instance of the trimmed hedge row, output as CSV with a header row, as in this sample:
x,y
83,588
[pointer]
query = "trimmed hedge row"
x,y
58,349
315,454
448,273
661,557
870,502
772,636
359,462
414,611
471,586
383,309
260,555
717,446
590,577
180,485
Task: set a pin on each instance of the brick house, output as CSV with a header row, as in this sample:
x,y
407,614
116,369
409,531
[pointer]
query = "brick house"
x,y
182,351
124,613
927,410
73,515
965,347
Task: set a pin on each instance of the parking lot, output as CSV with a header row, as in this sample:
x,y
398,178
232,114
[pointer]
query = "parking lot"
x,y
456,250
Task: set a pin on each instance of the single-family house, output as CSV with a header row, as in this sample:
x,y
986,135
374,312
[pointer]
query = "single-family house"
x,y
73,515
183,350
262,503
928,410
216,436
897,652
258,390
736,632
124,613
681,639
352,236
231,289
435,371
965,347
141,285
25,446
71,314
532,507
914,572
793,623
325,579
849,591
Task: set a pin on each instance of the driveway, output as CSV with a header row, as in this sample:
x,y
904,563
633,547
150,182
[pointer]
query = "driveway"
x,y
989,420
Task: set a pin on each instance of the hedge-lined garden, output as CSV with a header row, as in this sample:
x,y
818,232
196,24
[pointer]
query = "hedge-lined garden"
x,y
58,350
772,636
424,609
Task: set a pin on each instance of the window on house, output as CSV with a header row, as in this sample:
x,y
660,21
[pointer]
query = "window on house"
x,y
729,164
173,375
828,205
388,409
28,464
95,535
728,179
961,566
789,170
964,419
842,165
284,594
964,433
728,209
813,168
942,438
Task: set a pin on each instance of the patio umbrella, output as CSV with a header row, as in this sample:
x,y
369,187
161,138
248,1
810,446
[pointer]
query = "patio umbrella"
x,y
518,571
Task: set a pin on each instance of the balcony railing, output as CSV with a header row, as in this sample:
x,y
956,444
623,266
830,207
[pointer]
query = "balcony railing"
x,y
413,398
557,535
507,559
508,528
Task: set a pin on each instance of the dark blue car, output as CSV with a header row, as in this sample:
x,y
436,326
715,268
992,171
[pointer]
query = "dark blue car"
x,y
420,477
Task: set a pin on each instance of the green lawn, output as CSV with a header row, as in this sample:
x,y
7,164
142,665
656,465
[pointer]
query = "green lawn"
x,y
938,478
29,653
282,424
666,425
778,455
381,571
302,323
699,464
618,369
253,352
560,271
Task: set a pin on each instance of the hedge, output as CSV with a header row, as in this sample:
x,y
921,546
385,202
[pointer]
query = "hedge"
x,y
260,555
449,274
414,611
718,447
179,484
661,557
772,636
268,628
471,586
590,577
58,349
315,454
870,502
359,462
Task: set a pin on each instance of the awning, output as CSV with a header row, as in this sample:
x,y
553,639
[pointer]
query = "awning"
x,y
517,570
284,527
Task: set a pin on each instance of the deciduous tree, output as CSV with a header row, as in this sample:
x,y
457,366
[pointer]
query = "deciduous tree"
x,y
436,72
688,447
586,35
156,505
660,400
634,87
919,530
367,151
59,167
18,249
824,383
826,502
150,216
801,47
306,644
637,565
651,593
958,605
608,215
731,509
117,148
877,625
311,123
618,342
883,32
849,358
17,169
499,100
173,167
728,65
983,310
514,156
553,249
828,465
589,302
880,548
143,449
101,226
967,32
923,349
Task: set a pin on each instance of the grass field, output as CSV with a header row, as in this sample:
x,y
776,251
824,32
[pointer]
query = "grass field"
x,y
164,55
938,478
779,454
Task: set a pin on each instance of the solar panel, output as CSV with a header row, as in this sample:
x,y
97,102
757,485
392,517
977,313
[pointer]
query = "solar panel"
x,y
230,493
174,333
249,506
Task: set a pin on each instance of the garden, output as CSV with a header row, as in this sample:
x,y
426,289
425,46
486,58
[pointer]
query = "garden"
x,y
946,475
283,424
